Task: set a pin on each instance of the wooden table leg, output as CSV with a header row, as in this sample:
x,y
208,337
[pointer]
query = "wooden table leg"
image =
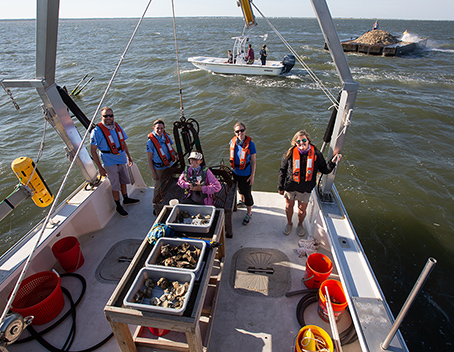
x,y
124,338
194,340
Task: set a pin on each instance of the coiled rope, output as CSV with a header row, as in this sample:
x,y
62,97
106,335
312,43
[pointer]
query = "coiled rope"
x,y
65,179
314,77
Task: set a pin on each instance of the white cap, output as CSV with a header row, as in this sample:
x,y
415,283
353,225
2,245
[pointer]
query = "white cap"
x,y
195,155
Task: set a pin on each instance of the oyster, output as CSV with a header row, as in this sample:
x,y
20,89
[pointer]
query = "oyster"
x,y
148,292
150,283
138,296
163,283
155,301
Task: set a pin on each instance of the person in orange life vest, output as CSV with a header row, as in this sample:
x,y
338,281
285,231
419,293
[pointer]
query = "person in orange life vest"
x,y
198,182
250,55
243,164
110,139
297,176
161,154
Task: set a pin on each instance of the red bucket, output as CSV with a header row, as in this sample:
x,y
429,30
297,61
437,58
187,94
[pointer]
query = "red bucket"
x,y
39,295
337,297
318,268
68,253
158,332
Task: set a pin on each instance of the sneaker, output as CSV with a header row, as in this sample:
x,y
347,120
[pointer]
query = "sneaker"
x,y
246,219
240,204
288,229
121,211
127,201
300,231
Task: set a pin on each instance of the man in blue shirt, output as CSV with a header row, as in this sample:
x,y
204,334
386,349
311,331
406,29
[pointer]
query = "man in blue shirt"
x,y
110,139
161,154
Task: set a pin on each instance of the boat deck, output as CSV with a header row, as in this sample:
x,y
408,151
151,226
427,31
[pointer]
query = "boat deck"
x,y
242,322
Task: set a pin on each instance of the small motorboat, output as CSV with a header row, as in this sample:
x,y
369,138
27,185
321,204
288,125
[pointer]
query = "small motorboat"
x,y
239,65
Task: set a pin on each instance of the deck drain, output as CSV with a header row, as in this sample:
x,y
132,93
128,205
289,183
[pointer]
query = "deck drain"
x,y
116,261
261,271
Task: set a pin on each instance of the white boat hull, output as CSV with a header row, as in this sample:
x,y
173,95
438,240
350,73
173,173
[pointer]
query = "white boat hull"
x,y
218,65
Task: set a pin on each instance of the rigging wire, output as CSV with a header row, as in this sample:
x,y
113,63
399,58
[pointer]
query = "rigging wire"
x,y
81,145
178,65
317,80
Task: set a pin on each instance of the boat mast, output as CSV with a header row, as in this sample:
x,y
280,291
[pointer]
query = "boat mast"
x,y
54,107
349,87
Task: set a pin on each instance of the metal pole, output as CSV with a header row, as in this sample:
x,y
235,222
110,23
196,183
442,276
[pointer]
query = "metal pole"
x,y
411,297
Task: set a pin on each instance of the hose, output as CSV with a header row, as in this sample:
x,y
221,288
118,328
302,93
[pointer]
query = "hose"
x,y
348,336
38,336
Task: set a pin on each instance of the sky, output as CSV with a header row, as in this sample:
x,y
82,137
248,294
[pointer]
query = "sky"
x,y
379,9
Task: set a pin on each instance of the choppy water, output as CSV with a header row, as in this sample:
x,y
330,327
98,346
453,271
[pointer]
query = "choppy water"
x,y
396,178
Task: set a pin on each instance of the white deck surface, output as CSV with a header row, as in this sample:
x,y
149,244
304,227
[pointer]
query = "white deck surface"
x,y
242,322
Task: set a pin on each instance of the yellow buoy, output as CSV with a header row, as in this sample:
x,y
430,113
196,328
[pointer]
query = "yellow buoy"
x,y
308,341
28,174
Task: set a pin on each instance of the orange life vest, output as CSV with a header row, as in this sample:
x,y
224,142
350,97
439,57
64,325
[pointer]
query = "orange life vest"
x,y
158,147
244,153
311,157
110,140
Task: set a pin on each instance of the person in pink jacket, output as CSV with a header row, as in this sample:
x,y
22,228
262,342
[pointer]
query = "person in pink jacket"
x,y
198,181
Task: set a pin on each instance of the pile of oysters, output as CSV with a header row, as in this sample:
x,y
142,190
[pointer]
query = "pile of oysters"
x,y
181,256
185,218
173,296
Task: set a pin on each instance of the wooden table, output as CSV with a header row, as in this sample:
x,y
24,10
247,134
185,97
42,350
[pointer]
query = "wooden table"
x,y
200,305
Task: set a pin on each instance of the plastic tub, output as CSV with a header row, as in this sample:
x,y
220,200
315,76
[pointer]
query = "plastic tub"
x,y
191,210
39,295
319,334
153,257
156,274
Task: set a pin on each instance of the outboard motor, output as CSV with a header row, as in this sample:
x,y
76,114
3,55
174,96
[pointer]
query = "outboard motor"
x,y
288,62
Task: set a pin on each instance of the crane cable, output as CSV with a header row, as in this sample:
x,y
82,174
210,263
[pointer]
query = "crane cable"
x,y
81,145
182,117
317,80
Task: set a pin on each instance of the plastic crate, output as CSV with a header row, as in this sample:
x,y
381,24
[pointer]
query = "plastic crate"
x,y
156,274
191,210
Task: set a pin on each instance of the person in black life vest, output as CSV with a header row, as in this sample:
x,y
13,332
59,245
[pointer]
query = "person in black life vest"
x,y
160,152
297,176
198,182
110,139
243,164
263,55
229,57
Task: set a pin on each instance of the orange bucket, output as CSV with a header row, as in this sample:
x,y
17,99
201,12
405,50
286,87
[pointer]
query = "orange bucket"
x,y
318,268
68,253
338,300
319,334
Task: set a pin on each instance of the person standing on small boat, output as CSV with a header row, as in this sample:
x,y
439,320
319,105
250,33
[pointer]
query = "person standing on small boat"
x,y
250,55
110,139
263,55
297,176
243,164
160,152
229,57
198,182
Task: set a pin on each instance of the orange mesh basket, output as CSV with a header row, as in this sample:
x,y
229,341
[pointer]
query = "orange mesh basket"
x,y
40,295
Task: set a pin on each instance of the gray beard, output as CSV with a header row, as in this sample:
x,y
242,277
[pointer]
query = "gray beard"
x,y
110,127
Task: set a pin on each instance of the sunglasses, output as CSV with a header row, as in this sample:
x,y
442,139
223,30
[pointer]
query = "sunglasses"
x,y
240,131
304,140
107,115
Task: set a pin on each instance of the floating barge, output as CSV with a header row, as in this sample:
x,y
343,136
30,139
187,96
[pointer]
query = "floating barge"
x,y
378,42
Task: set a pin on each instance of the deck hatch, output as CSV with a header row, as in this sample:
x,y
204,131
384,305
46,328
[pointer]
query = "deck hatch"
x,y
260,271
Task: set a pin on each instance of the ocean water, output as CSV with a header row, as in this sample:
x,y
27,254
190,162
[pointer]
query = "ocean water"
x,y
397,175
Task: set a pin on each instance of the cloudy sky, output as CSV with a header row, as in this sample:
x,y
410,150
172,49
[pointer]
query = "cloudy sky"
x,y
381,9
